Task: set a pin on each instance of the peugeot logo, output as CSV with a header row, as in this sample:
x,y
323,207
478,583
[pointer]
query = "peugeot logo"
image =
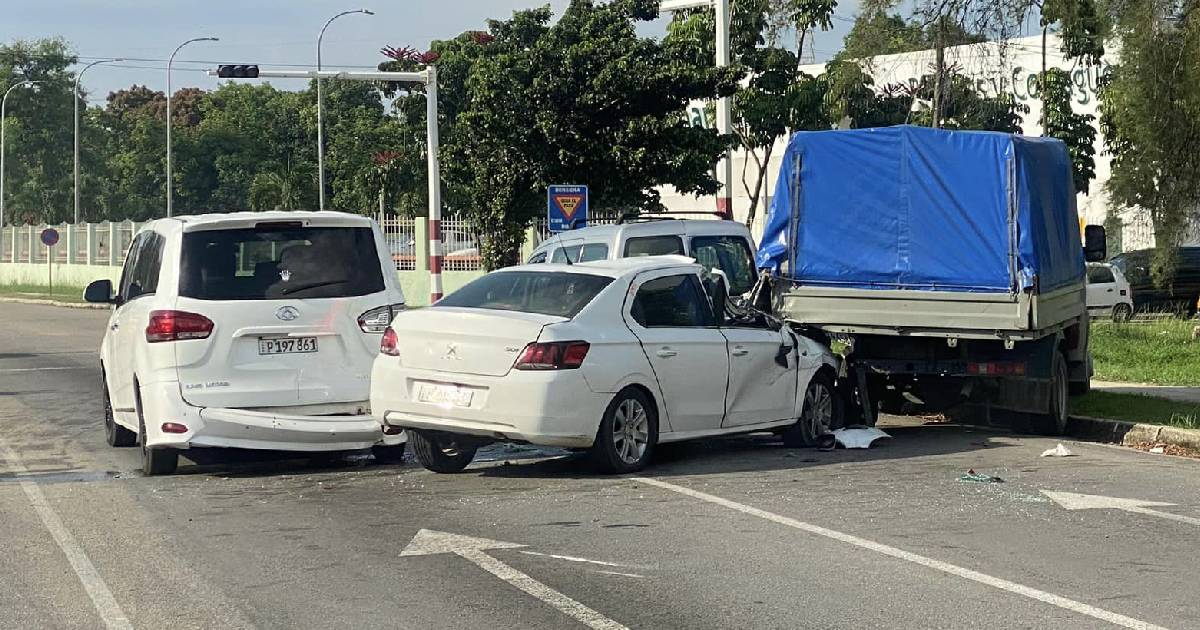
x,y
287,313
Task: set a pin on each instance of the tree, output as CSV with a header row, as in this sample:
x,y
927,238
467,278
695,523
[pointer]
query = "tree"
x,y
1150,116
583,100
1075,130
881,33
775,98
39,130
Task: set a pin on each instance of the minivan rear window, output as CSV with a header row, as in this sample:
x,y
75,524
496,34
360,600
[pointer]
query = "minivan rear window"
x,y
280,262
549,293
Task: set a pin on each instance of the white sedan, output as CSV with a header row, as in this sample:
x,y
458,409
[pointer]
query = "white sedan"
x,y
614,356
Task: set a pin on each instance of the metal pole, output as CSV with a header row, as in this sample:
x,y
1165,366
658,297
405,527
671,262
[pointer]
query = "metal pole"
x,y
321,110
435,186
77,97
3,121
724,112
170,177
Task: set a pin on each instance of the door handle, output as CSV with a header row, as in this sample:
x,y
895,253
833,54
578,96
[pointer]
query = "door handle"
x,y
666,353
739,351
1110,290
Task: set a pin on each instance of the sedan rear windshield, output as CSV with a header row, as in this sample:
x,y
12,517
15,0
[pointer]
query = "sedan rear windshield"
x,y
546,293
280,262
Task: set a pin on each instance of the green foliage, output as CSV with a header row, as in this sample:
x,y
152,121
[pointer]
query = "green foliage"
x,y
775,98
882,33
1150,116
853,95
39,133
1081,27
1075,130
585,99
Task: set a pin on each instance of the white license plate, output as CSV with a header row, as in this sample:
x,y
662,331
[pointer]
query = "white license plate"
x,y
447,395
287,345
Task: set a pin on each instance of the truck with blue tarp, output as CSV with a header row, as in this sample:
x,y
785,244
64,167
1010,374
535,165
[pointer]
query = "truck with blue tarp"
x,y
948,263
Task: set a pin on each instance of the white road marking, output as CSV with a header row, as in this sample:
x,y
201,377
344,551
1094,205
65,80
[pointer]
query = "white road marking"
x,y
429,542
46,369
102,598
631,575
1072,501
907,556
577,559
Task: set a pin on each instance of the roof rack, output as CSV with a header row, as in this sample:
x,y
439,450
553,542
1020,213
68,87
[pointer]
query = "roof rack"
x,y
672,215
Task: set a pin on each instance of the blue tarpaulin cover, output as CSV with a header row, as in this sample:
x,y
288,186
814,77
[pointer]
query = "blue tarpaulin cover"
x,y
924,209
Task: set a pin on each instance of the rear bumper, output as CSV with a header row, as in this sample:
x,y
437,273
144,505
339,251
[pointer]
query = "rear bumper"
x,y
239,428
550,408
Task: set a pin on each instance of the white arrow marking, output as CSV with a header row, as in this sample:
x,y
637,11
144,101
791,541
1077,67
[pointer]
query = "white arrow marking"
x,y
1072,501
428,542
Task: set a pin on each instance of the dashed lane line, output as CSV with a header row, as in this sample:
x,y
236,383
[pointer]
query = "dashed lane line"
x,y
907,556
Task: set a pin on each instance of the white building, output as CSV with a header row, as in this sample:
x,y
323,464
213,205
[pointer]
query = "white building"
x,y
1010,66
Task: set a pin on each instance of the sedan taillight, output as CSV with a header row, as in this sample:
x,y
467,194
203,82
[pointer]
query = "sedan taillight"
x,y
389,344
558,355
378,319
177,326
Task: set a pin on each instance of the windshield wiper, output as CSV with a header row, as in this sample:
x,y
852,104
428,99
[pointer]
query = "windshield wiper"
x,y
311,285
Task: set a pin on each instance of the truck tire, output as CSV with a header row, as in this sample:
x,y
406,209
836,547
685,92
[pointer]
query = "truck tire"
x,y
1054,421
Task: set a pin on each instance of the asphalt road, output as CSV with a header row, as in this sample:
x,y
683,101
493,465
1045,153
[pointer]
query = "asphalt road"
x,y
735,533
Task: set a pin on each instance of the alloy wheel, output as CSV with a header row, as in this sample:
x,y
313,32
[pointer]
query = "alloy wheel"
x,y
631,431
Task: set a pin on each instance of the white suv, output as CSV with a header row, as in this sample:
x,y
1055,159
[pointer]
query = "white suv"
x,y
247,330
723,245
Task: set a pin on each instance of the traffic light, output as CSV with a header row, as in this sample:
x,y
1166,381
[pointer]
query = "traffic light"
x,y
237,72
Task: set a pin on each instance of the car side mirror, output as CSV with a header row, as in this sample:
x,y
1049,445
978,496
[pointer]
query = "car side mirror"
x,y
1095,243
99,292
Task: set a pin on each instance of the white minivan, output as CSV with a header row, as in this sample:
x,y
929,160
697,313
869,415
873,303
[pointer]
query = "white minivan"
x,y
715,244
247,330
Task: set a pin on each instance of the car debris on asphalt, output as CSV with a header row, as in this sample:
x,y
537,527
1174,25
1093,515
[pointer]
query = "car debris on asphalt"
x,y
858,436
975,477
1058,451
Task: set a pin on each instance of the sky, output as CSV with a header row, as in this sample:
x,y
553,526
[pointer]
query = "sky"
x,y
271,33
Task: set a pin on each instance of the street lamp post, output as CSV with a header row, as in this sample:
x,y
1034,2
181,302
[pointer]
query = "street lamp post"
x,y
3,120
77,97
321,108
725,103
170,177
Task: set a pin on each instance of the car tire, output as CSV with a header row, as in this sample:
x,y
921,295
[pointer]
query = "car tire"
x,y
1122,313
116,435
821,413
1054,421
627,435
389,454
441,452
155,461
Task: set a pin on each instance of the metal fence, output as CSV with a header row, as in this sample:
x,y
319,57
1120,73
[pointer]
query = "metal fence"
x,y
407,242
86,243
401,237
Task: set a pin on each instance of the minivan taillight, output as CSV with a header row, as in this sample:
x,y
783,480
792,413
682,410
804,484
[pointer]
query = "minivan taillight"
x,y
378,319
558,355
177,326
389,344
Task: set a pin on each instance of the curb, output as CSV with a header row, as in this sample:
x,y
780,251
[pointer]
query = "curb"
x,y
15,300
1130,433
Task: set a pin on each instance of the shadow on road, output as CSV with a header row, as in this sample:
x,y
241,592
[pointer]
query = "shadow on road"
x,y
762,452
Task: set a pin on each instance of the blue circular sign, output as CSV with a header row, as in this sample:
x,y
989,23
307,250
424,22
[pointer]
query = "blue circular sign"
x,y
49,237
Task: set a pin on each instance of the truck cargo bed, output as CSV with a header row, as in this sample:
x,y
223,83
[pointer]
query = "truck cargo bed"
x,y
947,314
